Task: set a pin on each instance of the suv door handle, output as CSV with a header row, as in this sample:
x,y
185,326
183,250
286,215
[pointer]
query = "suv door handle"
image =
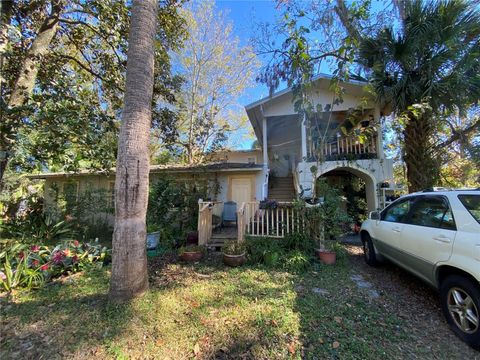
x,y
442,238
396,229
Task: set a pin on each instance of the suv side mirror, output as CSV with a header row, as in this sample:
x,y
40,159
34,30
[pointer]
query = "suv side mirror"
x,y
374,215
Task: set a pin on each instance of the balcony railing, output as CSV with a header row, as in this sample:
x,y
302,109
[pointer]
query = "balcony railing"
x,y
345,148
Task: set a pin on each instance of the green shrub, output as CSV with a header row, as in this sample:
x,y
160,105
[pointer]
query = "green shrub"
x,y
259,246
298,241
326,220
234,247
296,261
292,253
27,266
91,214
173,210
17,272
38,228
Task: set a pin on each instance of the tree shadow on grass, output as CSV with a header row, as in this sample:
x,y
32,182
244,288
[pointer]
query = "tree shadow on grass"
x,y
74,317
247,308
61,320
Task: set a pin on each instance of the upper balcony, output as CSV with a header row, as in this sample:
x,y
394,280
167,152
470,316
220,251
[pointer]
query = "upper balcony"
x,y
343,135
340,147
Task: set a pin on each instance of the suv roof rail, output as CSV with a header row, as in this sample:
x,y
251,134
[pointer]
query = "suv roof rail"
x,y
439,188
435,188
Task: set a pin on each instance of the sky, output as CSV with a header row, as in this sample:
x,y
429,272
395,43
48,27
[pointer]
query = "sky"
x,y
244,14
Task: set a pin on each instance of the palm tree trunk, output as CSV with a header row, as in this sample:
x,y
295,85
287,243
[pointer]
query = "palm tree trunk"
x,y
129,267
422,167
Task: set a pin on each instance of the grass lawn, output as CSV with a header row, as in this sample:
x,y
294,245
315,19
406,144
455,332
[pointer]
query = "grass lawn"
x,y
204,310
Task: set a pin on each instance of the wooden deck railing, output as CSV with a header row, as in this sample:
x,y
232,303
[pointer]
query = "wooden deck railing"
x,y
241,222
204,222
253,221
274,222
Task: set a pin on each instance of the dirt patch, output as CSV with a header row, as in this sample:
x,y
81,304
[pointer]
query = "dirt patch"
x,y
418,304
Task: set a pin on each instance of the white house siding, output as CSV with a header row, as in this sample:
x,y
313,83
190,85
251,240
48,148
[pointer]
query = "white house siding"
x,y
286,141
284,104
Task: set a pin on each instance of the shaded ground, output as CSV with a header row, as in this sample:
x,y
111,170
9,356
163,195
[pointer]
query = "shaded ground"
x,y
415,303
209,311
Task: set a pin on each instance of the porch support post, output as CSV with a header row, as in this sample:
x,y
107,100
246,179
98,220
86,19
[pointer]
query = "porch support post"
x,y
304,137
264,141
379,144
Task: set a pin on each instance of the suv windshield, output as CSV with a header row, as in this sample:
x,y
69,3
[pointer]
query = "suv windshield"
x,y
472,204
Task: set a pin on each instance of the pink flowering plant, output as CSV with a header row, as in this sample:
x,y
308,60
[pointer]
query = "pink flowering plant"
x,y
31,266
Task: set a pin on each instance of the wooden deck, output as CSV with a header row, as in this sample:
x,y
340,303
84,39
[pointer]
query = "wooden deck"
x,y
276,221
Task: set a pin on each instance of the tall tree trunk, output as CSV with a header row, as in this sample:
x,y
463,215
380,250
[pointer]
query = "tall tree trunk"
x,y
27,76
422,167
28,72
347,21
129,268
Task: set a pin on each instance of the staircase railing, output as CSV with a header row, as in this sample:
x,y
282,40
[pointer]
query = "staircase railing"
x,y
204,221
296,182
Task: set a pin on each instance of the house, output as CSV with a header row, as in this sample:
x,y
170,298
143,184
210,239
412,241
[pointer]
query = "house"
x,y
290,146
231,176
281,169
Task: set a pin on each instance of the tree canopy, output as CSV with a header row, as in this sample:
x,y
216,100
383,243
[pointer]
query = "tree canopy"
x,y
216,70
63,65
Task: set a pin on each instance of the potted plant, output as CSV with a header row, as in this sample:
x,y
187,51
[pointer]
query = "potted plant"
x,y
325,222
325,251
267,204
234,253
191,253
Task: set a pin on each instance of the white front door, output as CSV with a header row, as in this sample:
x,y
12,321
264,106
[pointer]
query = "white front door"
x,y
241,190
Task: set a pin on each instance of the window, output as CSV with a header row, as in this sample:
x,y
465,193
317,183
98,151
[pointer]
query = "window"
x,y
251,160
472,204
432,212
397,212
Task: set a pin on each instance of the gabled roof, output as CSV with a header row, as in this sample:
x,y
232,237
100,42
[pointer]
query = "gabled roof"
x,y
255,110
289,89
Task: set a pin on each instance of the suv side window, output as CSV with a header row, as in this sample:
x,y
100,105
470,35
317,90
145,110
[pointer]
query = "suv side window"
x,y
397,212
432,211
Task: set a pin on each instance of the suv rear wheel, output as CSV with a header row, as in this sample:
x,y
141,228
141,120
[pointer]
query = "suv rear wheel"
x,y
460,299
368,250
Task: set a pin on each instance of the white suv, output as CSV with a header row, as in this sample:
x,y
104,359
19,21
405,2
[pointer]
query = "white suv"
x,y
436,236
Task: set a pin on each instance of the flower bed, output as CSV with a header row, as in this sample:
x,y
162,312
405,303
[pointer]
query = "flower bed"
x,y
31,266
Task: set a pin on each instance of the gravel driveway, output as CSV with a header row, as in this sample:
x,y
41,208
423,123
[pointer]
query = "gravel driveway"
x,y
416,303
